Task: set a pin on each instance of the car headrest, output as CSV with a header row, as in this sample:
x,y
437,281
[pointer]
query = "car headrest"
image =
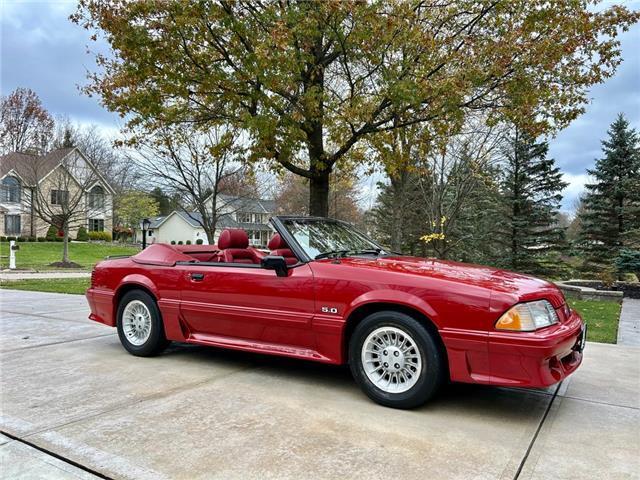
x,y
277,242
233,238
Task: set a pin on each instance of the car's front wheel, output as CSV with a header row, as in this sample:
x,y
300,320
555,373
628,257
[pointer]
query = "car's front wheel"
x,y
395,360
140,325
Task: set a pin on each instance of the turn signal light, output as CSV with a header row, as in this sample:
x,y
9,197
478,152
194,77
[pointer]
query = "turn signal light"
x,y
527,317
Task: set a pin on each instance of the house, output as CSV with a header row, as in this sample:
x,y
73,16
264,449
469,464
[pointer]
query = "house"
x,y
55,177
252,215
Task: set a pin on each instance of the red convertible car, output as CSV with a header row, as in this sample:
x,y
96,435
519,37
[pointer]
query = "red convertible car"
x,y
326,292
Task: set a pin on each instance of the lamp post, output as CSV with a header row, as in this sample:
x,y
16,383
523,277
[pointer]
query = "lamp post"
x,y
145,226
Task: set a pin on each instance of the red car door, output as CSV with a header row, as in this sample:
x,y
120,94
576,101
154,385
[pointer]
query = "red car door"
x,y
236,301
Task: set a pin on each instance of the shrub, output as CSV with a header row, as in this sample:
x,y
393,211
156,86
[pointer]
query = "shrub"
x,y
607,276
188,242
628,261
3,238
42,239
52,233
59,239
179,242
173,242
100,236
82,235
31,239
199,241
20,239
10,238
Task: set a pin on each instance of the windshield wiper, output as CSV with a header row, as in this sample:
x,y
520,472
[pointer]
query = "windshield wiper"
x,y
331,253
366,251
344,253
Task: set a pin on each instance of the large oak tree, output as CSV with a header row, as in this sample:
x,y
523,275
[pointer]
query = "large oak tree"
x,y
310,80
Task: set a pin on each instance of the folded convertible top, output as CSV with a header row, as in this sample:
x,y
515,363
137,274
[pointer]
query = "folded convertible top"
x,y
161,254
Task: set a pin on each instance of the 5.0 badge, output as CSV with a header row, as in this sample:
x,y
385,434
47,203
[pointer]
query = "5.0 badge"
x,y
329,310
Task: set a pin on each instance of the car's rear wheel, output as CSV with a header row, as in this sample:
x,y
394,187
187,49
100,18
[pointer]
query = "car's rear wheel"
x,y
395,360
140,325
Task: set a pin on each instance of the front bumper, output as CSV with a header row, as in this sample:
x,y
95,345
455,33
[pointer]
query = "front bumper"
x,y
537,359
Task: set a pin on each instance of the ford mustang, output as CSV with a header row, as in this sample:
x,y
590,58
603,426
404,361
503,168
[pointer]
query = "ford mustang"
x,y
326,292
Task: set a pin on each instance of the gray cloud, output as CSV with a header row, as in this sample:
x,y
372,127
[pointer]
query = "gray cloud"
x,y
41,49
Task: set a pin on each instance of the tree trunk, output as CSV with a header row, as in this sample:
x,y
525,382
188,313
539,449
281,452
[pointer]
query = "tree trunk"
x,y
210,232
65,247
398,182
319,195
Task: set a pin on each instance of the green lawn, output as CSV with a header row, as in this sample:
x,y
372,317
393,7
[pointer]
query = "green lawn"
x,y
602,319
38,255
59,285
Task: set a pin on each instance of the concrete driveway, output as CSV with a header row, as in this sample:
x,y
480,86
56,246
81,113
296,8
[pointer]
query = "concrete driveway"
x,y
75,405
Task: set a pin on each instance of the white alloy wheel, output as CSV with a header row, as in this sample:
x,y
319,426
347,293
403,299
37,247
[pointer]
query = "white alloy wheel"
x,y
391,359
136,322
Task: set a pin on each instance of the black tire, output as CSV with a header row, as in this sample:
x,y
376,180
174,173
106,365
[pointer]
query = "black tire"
x,y
432,371
156,341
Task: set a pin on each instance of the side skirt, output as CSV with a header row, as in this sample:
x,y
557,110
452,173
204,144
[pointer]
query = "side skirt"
x,y
258,347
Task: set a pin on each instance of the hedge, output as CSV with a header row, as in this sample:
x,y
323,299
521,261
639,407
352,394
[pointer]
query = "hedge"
x,y
106,236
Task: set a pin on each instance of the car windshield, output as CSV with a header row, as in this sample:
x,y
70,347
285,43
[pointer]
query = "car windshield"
x,y
325,238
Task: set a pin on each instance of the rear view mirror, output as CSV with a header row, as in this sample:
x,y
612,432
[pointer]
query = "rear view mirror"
x,y
275,262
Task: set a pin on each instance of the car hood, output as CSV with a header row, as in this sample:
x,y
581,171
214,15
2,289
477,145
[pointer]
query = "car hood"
x,y
506,287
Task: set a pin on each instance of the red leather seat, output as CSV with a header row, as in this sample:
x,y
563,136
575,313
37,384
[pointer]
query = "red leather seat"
x,y
234,244
279,247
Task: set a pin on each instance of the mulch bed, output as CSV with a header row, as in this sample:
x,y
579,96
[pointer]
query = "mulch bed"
x,y
65,265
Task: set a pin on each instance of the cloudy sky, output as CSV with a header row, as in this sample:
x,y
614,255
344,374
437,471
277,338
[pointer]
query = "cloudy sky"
x,y
41,49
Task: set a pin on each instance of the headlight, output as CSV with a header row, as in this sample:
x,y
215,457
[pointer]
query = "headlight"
x,y
527,317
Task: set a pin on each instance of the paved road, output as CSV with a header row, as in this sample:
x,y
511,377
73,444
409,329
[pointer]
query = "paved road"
x,y
70,390
629,327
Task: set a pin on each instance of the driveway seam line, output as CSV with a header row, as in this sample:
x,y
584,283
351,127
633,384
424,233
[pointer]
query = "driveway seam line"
x,y
57,456
50,316
586,400
537,432
31,347
596,402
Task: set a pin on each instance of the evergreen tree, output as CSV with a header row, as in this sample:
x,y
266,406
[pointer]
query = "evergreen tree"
x,y
531,191
398,221
67,141
475,228
166,204
611,217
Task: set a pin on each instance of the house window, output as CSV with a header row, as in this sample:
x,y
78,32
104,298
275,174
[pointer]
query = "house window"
x,y
243,217
96,225
96,197
254,237
12,225
59,197
10,192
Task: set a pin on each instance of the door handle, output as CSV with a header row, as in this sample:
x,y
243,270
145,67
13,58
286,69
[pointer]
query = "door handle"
x,y
197,277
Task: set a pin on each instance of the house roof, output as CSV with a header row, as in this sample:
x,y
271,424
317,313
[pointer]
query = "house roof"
x,y
249,205
156,221
194,219
33,168
29,167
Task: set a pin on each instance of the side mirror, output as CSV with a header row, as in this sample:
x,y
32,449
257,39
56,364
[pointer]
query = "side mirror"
x,y
275,262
